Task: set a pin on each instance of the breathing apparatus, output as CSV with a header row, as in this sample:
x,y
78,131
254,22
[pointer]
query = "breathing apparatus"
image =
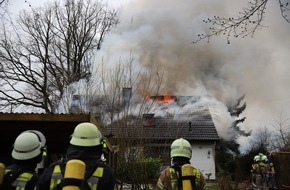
x,y
2,173
74,175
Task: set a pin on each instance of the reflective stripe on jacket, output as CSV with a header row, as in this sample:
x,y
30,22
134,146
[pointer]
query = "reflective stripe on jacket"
x,y
259,167
21,181
92,181
168,179
56,177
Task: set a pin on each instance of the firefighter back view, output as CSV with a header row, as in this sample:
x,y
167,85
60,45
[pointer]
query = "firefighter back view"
x,y
181,175
26,154
259,169
82,164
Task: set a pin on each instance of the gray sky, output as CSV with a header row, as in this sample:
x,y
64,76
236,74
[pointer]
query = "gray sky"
x,y
159,33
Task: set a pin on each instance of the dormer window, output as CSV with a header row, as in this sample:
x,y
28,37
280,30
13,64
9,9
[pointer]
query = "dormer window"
x,y
148,120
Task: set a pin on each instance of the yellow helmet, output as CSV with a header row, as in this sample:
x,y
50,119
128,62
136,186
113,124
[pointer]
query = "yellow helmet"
x,y
86,134
261,158
181,148
26,146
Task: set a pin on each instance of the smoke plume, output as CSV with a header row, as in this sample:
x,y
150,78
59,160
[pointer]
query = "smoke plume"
x,y
160,35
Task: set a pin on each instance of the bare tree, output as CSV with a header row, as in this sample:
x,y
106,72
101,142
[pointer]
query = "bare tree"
x,y
3,4
125,76
53,48
124,90
262,139
4,9
246,23
281,134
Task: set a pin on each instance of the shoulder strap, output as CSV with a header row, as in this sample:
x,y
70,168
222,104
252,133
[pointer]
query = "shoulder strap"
x,y
94,176
57,175
91,178
10,176
22,180
17,178
175,177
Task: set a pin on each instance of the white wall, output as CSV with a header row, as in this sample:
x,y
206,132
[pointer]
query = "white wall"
x,y
203,158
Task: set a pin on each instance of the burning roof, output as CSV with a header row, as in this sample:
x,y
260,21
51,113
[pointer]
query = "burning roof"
x,y
193,124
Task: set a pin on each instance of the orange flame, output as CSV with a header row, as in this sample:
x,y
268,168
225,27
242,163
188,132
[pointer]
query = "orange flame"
x,y
167,98
164,99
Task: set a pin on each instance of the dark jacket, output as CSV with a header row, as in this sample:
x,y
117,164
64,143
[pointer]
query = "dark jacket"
x,y
91,157
15,170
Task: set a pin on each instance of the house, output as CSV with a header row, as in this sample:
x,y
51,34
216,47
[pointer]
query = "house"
x,y
57,129
157,131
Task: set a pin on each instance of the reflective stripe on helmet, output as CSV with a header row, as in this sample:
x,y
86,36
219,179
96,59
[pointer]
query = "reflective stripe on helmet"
x,y
27,151
183,147
80,137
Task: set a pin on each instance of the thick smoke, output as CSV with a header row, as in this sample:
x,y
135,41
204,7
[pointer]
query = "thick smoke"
x,y
160,35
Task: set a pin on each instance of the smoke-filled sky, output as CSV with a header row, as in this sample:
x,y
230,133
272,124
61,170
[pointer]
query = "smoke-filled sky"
x,y
160,33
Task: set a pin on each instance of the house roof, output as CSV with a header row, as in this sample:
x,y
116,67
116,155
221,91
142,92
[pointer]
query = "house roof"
x,y
194,126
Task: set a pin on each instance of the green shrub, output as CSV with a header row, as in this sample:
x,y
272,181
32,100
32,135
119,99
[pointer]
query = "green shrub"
x,y
139,171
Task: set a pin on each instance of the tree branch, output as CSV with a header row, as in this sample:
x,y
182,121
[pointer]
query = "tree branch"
x,y
246,23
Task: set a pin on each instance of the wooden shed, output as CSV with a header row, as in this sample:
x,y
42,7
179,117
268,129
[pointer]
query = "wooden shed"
x,y
57,129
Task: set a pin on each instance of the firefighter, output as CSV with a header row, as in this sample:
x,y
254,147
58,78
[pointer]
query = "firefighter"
x,y
86,146
44,162
26,154
259,168
180,175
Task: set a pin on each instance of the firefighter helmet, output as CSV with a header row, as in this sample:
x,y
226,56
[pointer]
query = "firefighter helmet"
x,y
26,146
260,158
40,136
180,147
86,134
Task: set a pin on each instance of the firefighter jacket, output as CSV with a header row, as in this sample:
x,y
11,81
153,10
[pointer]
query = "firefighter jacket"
x,y
259,167
169,179
20,177
98,176
262,167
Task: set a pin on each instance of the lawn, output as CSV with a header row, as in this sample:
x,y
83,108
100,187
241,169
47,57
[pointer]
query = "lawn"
x,y
213,185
